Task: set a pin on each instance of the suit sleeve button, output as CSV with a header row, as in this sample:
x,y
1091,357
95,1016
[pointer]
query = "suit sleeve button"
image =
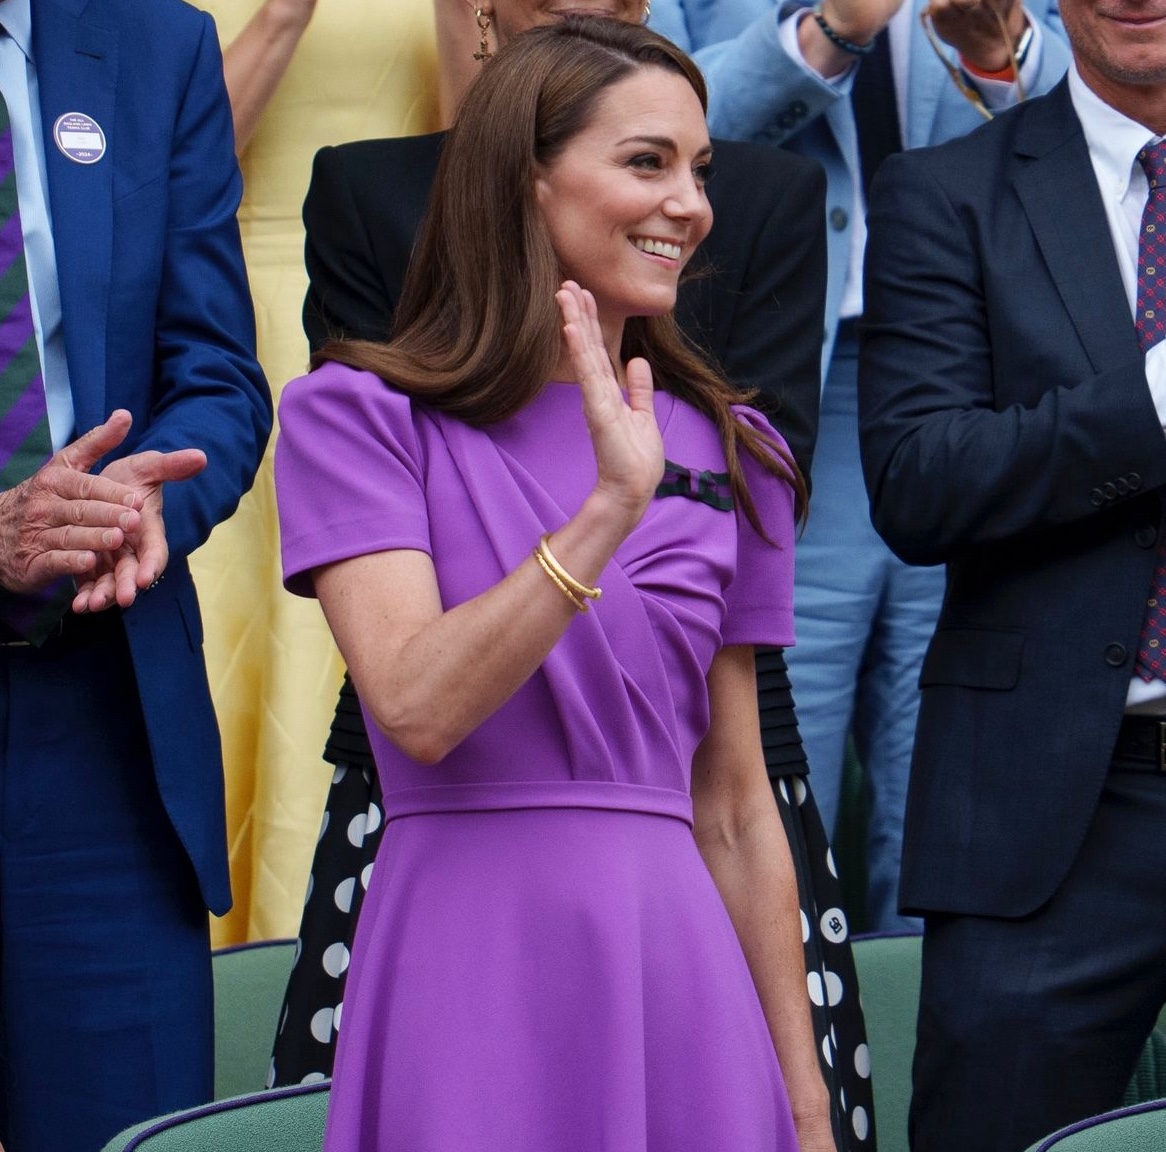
x,y
798,108
839,218
1109,490
1146,536
1115,655
1122,485
1096,498
1134,480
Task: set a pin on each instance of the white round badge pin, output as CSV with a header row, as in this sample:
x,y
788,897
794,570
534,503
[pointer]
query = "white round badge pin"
x,y
79,137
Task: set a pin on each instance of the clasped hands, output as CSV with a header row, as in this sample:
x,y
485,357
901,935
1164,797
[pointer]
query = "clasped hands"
x,y
105,531
969,26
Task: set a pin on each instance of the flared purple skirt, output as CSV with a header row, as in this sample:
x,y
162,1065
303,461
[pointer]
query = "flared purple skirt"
x,y
550,980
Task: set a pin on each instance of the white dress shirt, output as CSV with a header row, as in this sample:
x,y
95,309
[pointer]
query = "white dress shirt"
x,y
1114,143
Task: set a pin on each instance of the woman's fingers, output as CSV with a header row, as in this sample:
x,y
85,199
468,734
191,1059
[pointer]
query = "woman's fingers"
x,y
638,374
585,340
628,449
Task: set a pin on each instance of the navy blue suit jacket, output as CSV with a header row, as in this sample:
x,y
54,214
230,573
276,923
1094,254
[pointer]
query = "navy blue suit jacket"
x,y
1008,430
158,320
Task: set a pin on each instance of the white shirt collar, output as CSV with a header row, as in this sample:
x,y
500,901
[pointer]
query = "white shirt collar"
x,y
1114,139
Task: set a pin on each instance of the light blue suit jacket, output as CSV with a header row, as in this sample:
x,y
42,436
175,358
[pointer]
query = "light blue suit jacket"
x,y
757,91
157,319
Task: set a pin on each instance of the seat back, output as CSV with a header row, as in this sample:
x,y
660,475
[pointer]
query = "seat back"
x,y
889,972
280,1120
1149,1079
250,981
888,983
1141,1128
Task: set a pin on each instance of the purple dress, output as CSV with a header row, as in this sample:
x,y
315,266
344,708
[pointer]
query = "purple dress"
x,y
543,963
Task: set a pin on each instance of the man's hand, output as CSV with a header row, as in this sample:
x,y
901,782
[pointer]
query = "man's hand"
x,y
972,29
58,521
858,21
121,573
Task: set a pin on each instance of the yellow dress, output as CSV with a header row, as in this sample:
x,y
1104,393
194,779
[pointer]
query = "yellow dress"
x,y
362,68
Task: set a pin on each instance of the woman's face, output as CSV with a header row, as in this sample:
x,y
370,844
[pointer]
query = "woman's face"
x,y
624,202
514,16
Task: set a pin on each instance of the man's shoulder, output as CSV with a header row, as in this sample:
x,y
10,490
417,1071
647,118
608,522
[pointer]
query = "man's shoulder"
x,y
144,17
1025,131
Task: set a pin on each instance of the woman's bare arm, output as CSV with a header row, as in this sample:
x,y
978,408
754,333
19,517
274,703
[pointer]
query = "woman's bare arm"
x,y
255,61
740,835
429,676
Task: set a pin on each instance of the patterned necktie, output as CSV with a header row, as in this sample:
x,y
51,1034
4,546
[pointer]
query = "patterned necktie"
x,y
25,442
1150,321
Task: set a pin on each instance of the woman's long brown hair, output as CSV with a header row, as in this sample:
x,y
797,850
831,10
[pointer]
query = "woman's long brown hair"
x,y
477,332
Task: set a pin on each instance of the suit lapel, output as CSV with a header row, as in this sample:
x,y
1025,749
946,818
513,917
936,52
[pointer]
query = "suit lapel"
x,y
76,66
1053,176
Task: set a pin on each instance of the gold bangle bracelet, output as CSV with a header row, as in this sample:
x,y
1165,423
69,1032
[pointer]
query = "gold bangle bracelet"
x,y
578,601
578,587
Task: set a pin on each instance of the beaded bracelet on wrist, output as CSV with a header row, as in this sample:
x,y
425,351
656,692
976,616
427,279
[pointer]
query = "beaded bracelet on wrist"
x,y
840,41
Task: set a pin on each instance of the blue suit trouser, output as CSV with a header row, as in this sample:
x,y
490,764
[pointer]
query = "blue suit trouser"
x,y
1030,1024
864,619
106,1007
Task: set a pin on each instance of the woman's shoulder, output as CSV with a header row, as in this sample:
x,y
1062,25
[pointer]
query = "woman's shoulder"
x,y
757,420
404,161
680,421
335,383
335,395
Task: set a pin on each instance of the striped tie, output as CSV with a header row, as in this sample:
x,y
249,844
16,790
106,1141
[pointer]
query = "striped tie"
x,y
25,443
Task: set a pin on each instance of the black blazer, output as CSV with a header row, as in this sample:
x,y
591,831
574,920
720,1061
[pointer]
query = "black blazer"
x,y
760,313
1008,431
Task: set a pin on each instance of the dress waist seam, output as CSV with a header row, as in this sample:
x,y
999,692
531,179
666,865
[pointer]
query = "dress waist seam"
x,y
494,796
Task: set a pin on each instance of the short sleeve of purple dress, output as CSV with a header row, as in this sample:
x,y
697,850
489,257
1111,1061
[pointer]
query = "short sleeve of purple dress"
x,y
543,963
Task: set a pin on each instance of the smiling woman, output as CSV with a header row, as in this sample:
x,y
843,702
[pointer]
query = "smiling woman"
x,y
626,206
754,302
582,930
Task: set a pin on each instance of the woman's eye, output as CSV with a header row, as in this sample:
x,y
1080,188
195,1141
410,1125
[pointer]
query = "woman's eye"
x,y
646,160
703,173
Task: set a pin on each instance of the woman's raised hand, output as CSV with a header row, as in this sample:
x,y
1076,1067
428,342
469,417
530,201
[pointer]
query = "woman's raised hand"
x,y
629,452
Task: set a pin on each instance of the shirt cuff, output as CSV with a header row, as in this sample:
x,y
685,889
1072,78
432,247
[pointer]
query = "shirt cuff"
x,y
1000,94
787,33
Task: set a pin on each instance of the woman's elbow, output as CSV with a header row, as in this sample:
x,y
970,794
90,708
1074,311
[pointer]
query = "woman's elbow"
x,y
419,733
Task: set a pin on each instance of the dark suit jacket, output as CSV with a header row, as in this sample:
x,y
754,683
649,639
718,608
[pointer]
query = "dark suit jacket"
x,y
157,319
760,313
1008,430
